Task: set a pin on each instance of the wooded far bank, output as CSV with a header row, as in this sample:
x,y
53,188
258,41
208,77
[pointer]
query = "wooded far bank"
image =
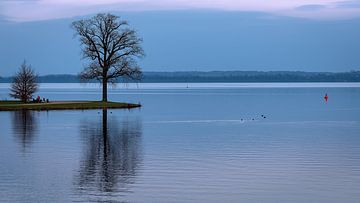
x,y
219,76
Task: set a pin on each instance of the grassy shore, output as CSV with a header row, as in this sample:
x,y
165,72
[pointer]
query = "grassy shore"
x,y
64,105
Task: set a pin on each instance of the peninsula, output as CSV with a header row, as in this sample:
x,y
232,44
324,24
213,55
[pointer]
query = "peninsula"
x,y
13,105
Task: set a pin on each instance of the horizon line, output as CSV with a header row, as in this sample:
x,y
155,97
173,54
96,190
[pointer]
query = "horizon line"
x,y
210,71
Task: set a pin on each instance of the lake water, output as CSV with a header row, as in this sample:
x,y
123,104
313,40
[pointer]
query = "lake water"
x,y
204,143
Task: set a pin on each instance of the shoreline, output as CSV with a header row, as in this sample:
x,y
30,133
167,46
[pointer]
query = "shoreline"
x,y
146,86
12,105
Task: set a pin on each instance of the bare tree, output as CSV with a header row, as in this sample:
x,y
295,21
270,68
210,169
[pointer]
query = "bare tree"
x,y
24,83
111,47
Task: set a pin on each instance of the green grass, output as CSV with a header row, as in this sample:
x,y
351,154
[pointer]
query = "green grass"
x,y
64,105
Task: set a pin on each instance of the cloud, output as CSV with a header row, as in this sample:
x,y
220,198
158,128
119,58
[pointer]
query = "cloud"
x,y
311,7
348,4
35,10
328,11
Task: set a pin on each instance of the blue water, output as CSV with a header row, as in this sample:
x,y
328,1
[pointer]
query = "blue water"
x,y
204,143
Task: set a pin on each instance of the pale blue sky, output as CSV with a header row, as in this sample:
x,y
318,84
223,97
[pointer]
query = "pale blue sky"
x,y
202,37
31,10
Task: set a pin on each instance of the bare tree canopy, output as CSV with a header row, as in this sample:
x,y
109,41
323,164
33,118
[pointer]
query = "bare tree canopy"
x,y
24,83
111,47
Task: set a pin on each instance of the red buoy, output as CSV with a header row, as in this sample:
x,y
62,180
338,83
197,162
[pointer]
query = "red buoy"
x,y
326,97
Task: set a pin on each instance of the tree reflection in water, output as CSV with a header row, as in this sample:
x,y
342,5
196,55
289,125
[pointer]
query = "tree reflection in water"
x,y
111,157
24,126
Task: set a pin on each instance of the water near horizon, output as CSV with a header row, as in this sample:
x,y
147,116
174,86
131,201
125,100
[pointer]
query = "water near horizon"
x,y
188,143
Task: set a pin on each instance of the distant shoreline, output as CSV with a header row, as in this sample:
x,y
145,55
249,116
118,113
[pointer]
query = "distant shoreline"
x,y
219,77
190,86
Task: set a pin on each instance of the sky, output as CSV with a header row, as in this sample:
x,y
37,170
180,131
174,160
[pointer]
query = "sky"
x,y
185,35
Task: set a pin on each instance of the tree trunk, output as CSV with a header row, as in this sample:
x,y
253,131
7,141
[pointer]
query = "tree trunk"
x,y
104,93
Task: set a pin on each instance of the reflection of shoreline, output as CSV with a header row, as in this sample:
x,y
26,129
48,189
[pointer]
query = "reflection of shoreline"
x,y
25,127
111,157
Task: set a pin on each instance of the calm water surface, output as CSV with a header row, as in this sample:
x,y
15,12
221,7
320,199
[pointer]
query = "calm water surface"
x,y
205,143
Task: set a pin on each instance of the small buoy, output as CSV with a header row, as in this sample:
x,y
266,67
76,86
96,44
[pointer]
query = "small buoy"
x,y
326,97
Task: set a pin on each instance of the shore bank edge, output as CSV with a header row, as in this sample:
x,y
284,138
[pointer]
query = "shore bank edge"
x,y
64,105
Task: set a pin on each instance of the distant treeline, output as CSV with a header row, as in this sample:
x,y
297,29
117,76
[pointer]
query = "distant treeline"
x,y
221,76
